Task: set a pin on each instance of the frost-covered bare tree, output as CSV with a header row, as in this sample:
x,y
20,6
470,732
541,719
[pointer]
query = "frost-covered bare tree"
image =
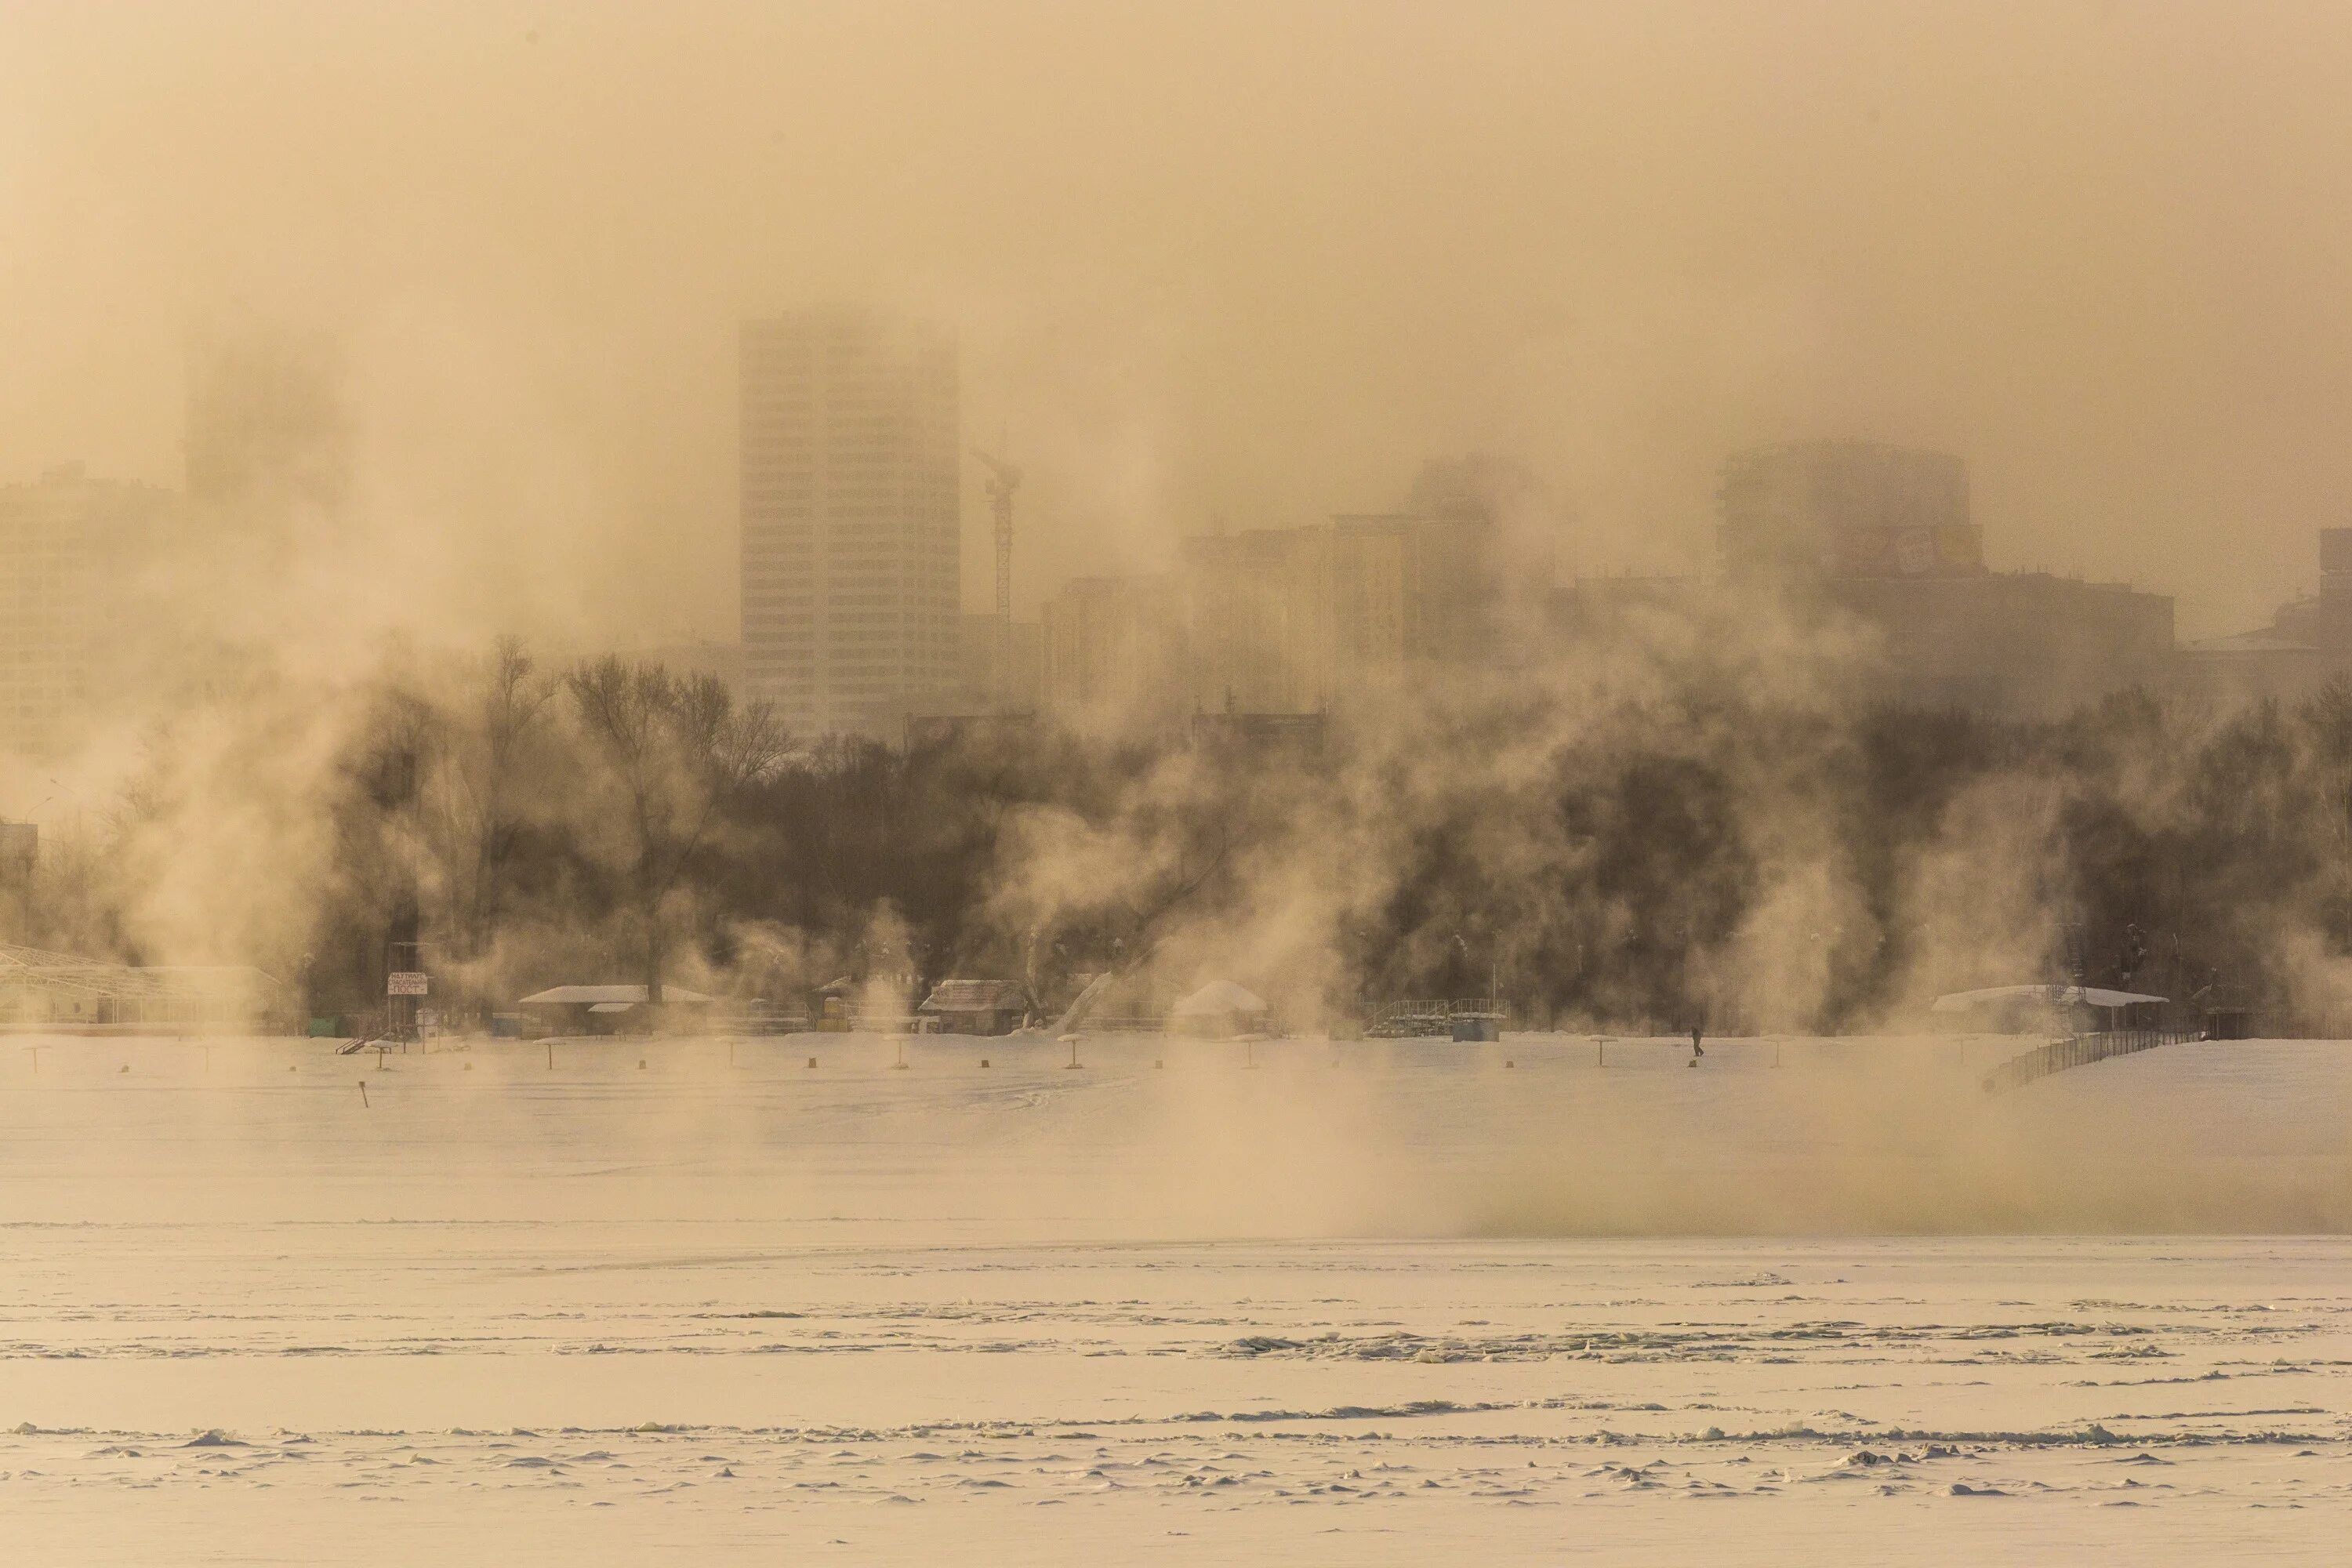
x,y
672,753
499,748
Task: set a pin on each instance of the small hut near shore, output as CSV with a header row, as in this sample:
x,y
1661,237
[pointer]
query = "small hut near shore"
x,y
1221,1010
974,1006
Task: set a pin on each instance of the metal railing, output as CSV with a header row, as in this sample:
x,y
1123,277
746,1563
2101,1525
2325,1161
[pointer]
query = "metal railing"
x,y
2081,1050
1126,1022
1400,1020
762,1022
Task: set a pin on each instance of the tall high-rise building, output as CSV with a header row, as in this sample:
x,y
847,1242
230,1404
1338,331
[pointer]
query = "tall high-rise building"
x,y
852,555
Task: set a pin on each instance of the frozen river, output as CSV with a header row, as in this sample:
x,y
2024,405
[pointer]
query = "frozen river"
x,y
1530,1302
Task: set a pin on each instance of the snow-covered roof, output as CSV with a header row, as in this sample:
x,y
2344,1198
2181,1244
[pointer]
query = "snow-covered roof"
x,y
971,997
1218,996
2055,996
590,995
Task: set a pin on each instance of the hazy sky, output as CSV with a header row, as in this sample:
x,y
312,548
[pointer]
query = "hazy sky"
x,y
1252,261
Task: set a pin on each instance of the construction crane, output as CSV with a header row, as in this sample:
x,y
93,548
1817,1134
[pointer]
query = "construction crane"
x,y
1004,478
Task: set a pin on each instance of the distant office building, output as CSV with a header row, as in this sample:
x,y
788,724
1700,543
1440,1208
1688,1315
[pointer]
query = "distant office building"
x,y
1307,619
1813,510
2251,666
70,549
1112,649
268,429
2324,620
2307,642
1258,611
851,552
981,686
1277,620
1884,533
2007,645
2024,644
996,691
1409,589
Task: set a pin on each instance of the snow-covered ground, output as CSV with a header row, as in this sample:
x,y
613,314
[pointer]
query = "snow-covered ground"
x,y
1299,1301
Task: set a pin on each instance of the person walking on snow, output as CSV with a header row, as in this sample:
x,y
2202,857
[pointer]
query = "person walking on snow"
x,y
1697,1050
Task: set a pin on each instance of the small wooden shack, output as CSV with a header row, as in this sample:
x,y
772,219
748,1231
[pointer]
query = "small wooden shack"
x,y
974,1006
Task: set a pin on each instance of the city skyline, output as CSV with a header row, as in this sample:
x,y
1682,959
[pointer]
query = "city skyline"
x,y
852,499
1224,298
1686,545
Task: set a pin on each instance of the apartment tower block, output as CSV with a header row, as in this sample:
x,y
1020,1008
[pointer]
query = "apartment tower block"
x,y
851,547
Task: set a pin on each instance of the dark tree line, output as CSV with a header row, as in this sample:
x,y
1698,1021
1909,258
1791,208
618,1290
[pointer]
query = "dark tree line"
x,y
1662,849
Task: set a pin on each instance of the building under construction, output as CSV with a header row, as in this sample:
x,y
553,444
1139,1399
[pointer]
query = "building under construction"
x,y
61,993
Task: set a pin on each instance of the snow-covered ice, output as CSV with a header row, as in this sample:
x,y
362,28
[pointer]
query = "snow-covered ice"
x,y
1361,1303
